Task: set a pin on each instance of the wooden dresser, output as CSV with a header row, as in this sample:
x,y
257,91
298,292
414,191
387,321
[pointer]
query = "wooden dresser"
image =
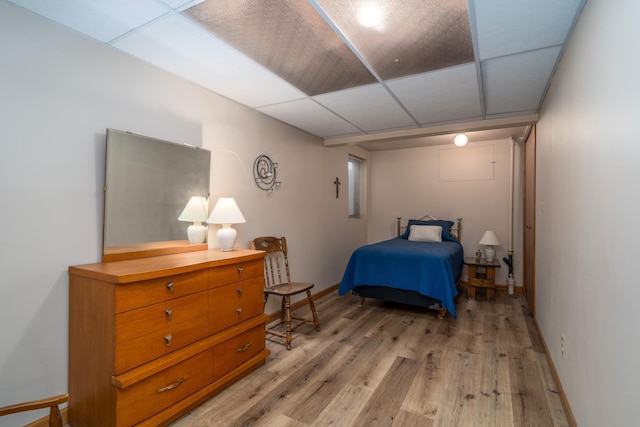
x,y
151,338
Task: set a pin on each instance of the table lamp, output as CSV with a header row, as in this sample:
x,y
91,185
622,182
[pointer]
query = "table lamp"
x,y
196,211
226,212
489,239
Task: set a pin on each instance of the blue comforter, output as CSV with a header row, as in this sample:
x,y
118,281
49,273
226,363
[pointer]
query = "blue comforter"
x,y
428,268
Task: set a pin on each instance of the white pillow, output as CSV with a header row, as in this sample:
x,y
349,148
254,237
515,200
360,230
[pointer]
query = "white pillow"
x,y
425,233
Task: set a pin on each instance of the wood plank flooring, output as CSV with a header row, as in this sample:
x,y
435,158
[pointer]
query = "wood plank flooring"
x,y
393,365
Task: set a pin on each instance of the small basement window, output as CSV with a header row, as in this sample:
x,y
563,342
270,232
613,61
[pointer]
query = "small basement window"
x,y
355,186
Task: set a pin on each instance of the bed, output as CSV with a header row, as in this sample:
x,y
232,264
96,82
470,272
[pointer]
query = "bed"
x,y
420,267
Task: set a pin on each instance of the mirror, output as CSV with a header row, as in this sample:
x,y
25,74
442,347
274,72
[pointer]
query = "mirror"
x,y
148,182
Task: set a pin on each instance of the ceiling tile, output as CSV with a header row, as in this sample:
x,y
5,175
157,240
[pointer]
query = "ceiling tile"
x,y
178,4
516,83
440,96
102,20
177,45
409,36
508,26
288,38
311,117
370,108
415,69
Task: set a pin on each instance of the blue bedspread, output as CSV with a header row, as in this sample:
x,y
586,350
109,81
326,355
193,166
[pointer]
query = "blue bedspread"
x,y
428,268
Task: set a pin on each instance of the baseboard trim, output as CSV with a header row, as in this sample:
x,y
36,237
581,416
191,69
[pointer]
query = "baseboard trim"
x,y
554,373
299,304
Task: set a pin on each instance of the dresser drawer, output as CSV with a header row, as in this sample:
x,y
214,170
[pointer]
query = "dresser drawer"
x,y
235,303
139,294
146,320
151,346
232,353
232,273
163,389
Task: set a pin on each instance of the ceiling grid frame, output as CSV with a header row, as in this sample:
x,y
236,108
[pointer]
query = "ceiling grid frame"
x,y
147,30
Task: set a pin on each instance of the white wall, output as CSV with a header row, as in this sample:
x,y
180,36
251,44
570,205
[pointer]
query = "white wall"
x,y
587,214
59,93
406,183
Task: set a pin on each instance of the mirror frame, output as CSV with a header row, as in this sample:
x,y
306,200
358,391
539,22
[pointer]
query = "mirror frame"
x,y
155,159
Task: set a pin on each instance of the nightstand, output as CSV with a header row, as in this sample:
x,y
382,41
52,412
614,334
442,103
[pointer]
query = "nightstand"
x,y
482,274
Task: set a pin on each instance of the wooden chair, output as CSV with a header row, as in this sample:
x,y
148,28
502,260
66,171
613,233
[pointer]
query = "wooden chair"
x,y
55,419
278,282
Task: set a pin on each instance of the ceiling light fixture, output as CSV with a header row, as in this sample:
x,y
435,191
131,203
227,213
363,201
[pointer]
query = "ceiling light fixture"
x,y
370,15
461,139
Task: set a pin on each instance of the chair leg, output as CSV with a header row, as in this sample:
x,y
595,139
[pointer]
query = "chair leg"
x,y
287,319
313,311
55,418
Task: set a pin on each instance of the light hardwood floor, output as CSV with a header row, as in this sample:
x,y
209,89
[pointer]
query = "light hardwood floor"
x,y
392,365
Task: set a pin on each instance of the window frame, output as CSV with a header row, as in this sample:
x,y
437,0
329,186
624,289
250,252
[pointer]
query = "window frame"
x,y
355,167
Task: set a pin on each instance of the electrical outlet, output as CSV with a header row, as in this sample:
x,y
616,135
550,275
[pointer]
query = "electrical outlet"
x,y
563,347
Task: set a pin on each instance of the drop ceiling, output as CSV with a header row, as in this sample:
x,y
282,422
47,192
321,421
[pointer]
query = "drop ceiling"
x,y
381,74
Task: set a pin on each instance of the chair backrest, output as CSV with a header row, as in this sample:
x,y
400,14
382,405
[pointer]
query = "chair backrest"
x,y
276,263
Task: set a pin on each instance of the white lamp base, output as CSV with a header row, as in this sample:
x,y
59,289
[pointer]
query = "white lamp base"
x,y
196,233
226,237
489,253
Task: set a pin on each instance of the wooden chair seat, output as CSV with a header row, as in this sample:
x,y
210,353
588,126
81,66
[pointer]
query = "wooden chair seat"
x,y
288,288
278,282
55,418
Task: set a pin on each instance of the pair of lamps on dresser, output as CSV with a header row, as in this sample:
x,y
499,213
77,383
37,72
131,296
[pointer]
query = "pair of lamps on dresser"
x,y
225,212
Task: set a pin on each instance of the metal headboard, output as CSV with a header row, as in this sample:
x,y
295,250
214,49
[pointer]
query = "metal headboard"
x,y
456,231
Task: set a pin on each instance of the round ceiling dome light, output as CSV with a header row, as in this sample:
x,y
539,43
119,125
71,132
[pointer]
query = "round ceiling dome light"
x,y
461,139
371,15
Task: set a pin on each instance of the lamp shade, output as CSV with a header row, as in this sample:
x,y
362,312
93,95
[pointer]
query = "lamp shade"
x,y
226,212
195,211
489,238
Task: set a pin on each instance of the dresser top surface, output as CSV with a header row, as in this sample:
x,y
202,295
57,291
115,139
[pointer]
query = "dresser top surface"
x,y
133,270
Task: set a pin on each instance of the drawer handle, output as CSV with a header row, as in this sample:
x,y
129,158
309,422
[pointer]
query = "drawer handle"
x,y
169,312
172,386
170,286
239,311
168,339
240,271
244,347
239,292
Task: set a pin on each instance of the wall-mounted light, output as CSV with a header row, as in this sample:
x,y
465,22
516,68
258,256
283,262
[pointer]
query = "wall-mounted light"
x,y
461,140
264,172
